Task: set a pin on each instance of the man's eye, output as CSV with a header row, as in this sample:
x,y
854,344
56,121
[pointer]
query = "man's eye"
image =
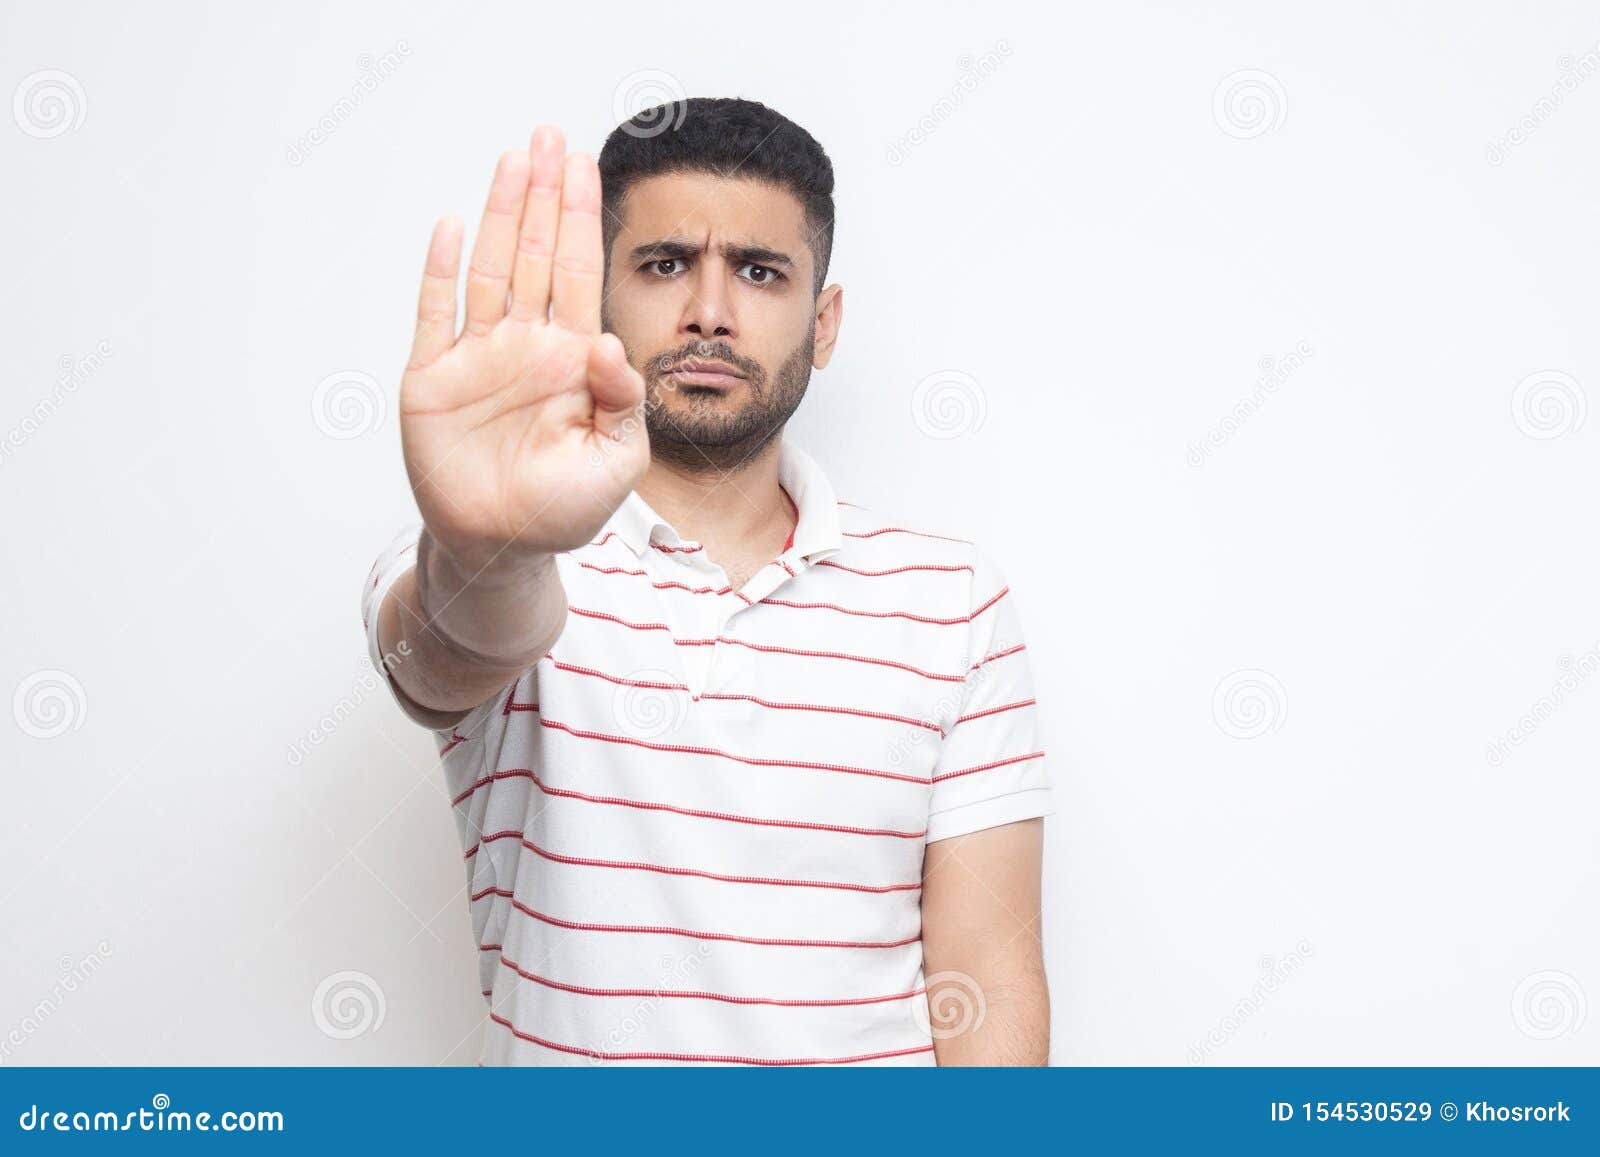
x,y
658,266
760,274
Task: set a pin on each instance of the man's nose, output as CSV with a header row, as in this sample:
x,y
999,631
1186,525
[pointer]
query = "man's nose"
x,y
709,312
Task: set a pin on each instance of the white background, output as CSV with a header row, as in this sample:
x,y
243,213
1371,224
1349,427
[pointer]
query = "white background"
x,y
1396,546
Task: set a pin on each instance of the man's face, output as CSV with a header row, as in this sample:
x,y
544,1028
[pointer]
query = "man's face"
x,y
716,270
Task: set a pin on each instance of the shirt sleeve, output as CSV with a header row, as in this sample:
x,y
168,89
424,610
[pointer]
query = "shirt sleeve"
x,y
991,770
397,558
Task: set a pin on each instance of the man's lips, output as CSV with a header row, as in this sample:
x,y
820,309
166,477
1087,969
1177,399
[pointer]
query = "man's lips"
x,y
700,372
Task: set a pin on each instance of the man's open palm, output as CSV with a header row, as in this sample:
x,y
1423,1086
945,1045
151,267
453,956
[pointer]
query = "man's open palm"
x,y
524,433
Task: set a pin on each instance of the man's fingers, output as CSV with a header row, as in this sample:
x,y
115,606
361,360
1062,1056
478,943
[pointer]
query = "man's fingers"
x,y
436,304
536,243
489,275
617,390
576,281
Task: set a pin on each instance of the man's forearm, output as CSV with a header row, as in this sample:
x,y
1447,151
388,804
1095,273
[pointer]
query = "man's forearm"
x,y
988,999
1014,1029
465,635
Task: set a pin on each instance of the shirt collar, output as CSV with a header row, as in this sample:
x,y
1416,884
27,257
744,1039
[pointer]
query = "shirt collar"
x,y
816,534
634,523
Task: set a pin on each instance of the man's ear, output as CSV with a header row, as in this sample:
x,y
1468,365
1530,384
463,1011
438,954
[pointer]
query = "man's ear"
x,y
830,314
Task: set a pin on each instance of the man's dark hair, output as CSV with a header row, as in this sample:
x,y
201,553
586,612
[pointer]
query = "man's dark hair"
x,y
730,138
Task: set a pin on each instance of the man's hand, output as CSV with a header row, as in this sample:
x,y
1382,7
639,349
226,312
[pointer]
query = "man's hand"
x,y
522,435
517,434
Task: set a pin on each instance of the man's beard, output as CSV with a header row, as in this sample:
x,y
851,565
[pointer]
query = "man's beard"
x,y
698,429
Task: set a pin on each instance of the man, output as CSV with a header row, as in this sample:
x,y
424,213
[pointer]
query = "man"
x,y
743,774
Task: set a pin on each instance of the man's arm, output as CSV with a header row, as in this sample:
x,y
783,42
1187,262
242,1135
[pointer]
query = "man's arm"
x,y
443,682
517,433
987,997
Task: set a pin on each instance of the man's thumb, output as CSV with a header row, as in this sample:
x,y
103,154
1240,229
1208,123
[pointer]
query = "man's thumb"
x,y
615,386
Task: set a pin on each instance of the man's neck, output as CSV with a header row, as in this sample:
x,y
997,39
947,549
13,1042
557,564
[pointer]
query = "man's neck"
x,y
732,514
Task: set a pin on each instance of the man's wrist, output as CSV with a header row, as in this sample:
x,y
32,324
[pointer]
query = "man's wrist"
x,y
488,616
490,568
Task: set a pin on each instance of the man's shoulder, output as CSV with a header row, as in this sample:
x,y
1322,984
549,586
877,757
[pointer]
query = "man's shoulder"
x,y
886,540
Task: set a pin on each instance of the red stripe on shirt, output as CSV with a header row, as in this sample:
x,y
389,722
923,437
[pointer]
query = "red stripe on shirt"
x,y
1004,591
573,668
884,715
705,1058
903,530
654,930
695,813
584,990
876,614
988,766
929,566
606,616
997,655
658,585
995,711
610,618
654,685
640,866
513,705
751,760
838,655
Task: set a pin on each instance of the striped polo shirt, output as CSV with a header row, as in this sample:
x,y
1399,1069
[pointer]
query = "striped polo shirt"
x,y
694,831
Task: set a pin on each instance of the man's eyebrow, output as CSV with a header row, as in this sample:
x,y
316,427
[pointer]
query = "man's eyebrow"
x,y
668,247
758,254
663,249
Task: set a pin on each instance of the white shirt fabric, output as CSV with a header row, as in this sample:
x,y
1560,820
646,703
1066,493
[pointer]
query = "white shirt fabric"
x,y
694,831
